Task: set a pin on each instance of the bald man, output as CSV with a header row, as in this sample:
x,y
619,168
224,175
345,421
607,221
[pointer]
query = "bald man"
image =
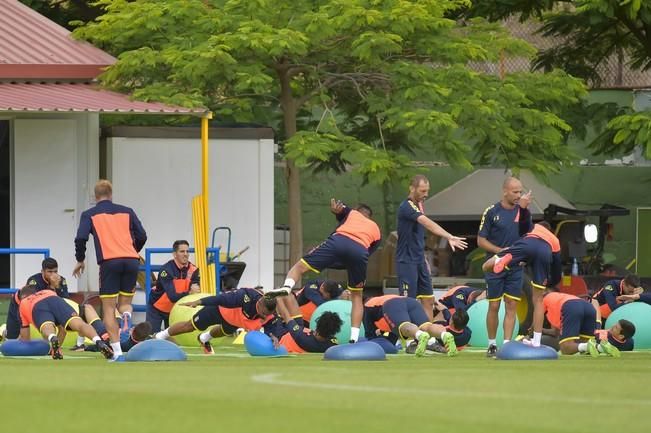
x,y
501,225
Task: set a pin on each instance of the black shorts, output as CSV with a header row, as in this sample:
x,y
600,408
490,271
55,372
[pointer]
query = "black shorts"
x,y
537,254
118,277
209,316
414,280
340,251
53,310
578,319
507,283
398,311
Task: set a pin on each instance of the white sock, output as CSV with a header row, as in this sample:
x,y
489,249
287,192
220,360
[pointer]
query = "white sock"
x,y
418,334
95,339
599,348
80,340
583,347
492,342
117,349
536,339
289,283
126,315
50,337
505,341
205,337
432,340
354,334
444,334
163,335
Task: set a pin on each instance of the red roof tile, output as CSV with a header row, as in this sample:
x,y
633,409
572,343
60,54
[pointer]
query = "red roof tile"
x,y
32,46
75,97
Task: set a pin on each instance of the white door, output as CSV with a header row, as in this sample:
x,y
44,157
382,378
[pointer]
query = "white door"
x,y
44,195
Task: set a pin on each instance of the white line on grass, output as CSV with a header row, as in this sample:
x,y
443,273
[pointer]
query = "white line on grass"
x,y
46,357
275,379
225,355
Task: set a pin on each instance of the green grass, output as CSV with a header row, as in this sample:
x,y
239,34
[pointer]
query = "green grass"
x,y
232,392
4,305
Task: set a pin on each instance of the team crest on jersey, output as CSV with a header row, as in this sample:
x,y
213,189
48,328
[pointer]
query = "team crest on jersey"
x,y
460,296
609,287
31,283
246,298
163,274
413,206
296,328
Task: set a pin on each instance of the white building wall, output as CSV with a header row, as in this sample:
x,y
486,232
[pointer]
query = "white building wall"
x,y
54,156
159,176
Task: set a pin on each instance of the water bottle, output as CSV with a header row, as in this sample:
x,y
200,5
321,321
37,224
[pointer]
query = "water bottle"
x,y
575,267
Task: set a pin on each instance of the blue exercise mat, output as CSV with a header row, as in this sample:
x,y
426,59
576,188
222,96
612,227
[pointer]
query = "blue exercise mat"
x,y
25,348
514,350
362,351
259,344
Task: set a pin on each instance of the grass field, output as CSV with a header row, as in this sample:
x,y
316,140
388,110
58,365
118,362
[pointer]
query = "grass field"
x,y
233,392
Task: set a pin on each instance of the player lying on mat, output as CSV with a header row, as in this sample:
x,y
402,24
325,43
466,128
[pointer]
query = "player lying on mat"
x,y
52,316
288,329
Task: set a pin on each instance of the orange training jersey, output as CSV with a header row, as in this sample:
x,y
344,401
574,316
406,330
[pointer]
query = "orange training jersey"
x,y
541,232
360,229
290,344
553,302
27,305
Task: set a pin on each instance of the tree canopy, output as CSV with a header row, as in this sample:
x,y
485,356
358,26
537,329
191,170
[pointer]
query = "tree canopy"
x,y
63,12
589,33
353,84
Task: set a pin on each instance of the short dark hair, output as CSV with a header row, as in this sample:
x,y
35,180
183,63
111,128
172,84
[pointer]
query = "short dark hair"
x,y
49,263
628,328
460,319
142,331
365,207
328,324
26,291
269,303
177,244
632,280
332,288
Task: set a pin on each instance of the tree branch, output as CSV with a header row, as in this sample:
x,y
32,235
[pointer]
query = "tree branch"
x,y
326,84
637,32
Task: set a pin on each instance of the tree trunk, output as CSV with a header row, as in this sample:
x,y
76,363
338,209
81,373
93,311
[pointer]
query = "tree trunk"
x,y
292,174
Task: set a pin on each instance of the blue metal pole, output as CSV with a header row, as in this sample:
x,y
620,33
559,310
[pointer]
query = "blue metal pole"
x,y
147,274
44,251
